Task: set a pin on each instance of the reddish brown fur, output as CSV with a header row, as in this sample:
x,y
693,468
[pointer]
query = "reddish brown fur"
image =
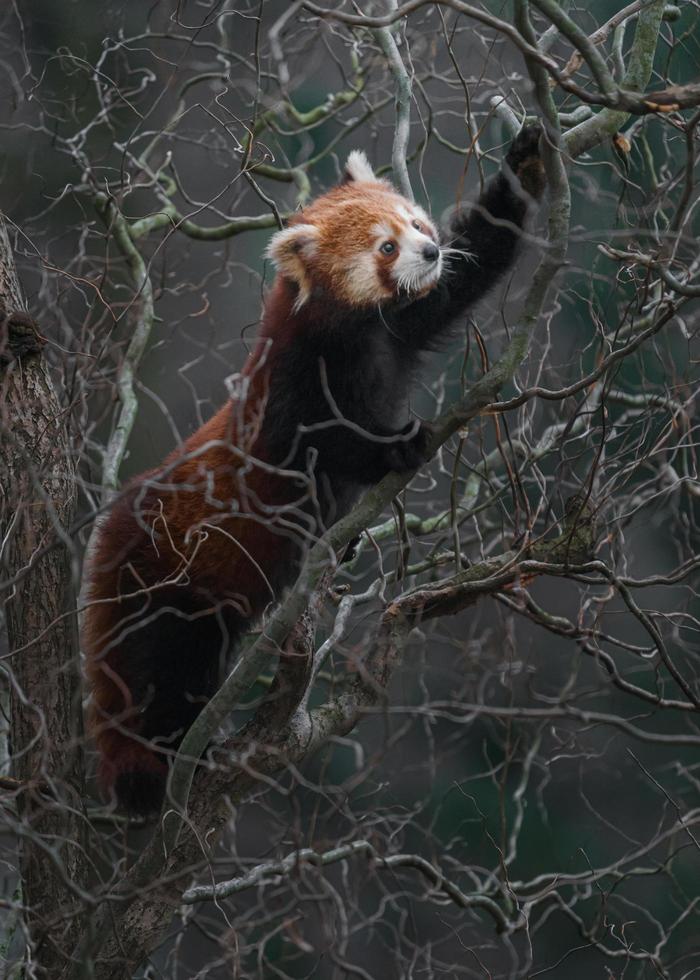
x,y
219,565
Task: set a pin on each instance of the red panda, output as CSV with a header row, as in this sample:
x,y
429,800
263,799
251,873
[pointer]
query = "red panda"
x,y
192,552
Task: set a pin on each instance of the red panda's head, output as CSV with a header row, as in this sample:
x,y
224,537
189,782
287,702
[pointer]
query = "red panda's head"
x,y
363,243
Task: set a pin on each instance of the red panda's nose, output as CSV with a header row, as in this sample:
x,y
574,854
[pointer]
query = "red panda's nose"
x,y
430,252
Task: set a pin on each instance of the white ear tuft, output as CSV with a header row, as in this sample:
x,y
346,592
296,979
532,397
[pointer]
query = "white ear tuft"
x,y
358,167
292,250
290,244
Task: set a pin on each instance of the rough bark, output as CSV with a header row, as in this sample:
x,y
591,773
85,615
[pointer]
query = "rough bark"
x,y
37,503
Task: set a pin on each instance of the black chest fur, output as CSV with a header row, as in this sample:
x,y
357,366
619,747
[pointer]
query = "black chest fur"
x,y
335,393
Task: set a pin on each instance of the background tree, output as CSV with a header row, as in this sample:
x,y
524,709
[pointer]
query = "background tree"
x,y
472,750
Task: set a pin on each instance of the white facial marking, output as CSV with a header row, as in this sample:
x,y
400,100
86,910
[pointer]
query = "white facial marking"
x,y
292,249
413,271
423,217
362,282
382,233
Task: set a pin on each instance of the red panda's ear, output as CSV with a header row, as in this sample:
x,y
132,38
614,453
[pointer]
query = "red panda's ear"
x,y
292,250
358,168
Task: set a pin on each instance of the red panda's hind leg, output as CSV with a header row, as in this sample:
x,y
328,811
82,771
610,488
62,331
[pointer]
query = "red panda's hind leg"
x,y
171,663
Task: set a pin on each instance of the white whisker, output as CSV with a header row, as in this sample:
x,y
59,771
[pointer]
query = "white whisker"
x,y
447,250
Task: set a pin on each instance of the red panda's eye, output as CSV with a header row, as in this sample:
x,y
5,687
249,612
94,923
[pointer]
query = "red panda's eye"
x,y
387,248
416,224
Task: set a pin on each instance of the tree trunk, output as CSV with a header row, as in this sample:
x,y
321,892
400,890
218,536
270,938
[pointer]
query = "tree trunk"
x,y
37,504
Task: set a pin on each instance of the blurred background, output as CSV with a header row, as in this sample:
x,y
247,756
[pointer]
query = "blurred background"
x,y
534,747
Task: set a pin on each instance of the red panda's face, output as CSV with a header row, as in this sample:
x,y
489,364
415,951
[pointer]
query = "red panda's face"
x,y
362,243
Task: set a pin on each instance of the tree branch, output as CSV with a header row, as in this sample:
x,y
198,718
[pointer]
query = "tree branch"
x,y
402,130
296,860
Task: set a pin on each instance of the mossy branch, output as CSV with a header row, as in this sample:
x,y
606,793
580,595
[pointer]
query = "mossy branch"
x,y
593,131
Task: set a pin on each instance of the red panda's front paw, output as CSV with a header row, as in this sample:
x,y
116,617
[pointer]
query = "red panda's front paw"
x,y
525,161
410,454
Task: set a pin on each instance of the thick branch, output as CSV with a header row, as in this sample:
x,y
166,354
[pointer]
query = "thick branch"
x,y
37,503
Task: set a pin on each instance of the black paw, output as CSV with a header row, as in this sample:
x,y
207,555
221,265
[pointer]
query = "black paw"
x,y
525,161
410,454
